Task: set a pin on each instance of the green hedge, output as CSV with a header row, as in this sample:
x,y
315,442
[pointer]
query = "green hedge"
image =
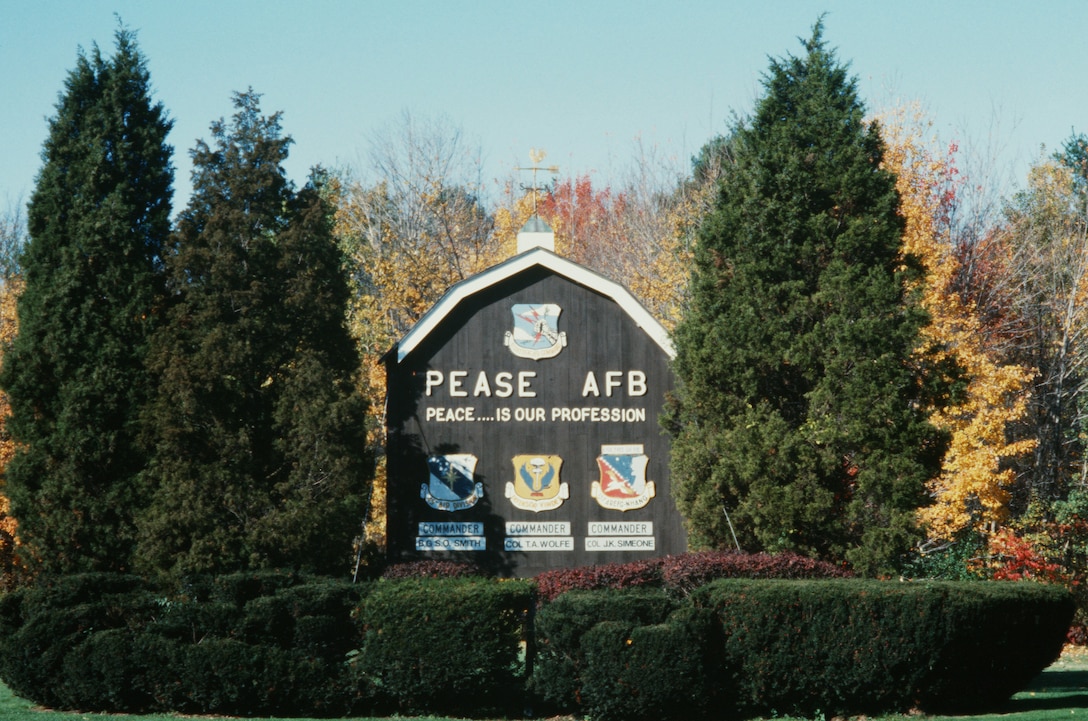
x,y
560,626
41,627
652,672
450,646
287,645
1000,636
266,643
852,647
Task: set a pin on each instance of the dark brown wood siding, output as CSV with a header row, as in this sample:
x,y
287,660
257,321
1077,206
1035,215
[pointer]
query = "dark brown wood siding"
x,y
601,338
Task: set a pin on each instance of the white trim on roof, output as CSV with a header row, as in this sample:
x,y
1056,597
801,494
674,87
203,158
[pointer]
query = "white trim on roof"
x,y
542,257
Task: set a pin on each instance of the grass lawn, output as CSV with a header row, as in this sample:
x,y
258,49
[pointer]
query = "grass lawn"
x,y
1060,692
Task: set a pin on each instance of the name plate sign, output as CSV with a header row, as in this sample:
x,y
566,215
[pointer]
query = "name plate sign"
x,y
451,536
538,543
538,536
620,543
620,536
538,528
451,543
444,528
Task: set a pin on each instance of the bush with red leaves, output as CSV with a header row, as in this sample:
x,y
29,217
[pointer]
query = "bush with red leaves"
x,y
684,573
433,569
550,584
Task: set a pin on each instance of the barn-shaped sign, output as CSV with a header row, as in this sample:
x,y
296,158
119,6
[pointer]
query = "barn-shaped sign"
x,y
523,429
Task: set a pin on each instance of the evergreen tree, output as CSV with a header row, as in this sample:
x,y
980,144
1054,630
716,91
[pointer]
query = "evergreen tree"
x,y
257,432
800,411
97,220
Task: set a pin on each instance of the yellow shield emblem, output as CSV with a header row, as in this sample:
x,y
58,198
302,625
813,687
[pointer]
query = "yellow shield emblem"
x,y
536,485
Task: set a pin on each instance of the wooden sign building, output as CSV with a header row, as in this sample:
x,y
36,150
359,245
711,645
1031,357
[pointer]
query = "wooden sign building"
x,y
523,428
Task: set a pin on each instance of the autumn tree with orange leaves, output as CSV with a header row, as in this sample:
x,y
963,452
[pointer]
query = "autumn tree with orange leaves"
x,y
12,238
639,234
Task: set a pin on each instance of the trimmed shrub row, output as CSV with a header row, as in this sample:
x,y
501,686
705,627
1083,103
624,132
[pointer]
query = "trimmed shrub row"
x,y
739,648
268,644
450,646
560,627
632,654
289,645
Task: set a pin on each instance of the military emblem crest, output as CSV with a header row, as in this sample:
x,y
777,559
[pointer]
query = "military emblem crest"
x,y
536,485
451,486
622,485
536,331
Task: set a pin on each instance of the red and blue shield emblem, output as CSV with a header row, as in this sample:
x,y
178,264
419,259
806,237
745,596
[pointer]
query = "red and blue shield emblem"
x,y
622,485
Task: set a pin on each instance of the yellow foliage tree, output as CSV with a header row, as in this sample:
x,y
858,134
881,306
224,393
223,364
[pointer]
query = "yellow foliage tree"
x,y
510,217
407,238
972,489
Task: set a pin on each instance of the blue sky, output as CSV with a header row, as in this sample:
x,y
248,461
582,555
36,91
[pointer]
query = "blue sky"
x,y
588,81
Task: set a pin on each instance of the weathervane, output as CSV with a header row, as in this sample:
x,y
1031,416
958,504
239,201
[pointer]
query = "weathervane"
x,y
537,156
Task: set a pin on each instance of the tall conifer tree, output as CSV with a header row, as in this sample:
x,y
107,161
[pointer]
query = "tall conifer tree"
x,y
97,221
257,431
800,412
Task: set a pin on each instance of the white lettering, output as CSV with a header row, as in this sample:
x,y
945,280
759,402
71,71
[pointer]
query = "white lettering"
x,y
450,415
612,380
482,387
590,386
529,414
598,415
455,384
524,391
620,543
522,543
434,378
451,543
502,384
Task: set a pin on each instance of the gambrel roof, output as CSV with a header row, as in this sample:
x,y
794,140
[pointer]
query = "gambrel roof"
x,y
536,257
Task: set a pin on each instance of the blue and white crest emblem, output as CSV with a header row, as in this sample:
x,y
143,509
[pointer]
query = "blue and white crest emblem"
x,y
536,331
623,485
451,486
